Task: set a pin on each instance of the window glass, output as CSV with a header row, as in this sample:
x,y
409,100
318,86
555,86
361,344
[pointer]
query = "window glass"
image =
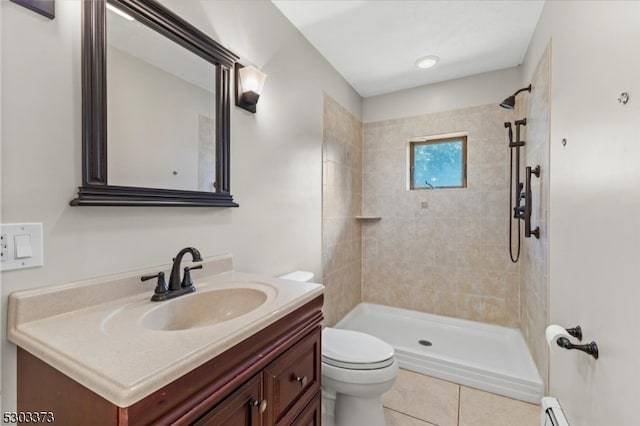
x,y
439,163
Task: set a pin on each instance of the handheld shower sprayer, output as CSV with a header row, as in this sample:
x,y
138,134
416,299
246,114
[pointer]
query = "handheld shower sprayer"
x,y
507,125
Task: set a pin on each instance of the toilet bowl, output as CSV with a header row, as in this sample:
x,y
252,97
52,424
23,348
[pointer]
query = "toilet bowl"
x,y
357,369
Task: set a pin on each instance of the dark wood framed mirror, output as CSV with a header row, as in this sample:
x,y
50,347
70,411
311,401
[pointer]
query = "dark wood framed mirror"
x,y
107,145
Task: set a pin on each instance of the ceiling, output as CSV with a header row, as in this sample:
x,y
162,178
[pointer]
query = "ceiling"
x,y
375,44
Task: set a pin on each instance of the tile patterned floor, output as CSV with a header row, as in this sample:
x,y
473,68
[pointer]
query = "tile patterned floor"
x,y
418,400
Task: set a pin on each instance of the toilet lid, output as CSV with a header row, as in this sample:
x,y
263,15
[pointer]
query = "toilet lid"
x,y
355,350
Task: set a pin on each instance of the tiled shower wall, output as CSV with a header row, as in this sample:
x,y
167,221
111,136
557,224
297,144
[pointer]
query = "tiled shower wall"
x,y
341,203
442,251
534,278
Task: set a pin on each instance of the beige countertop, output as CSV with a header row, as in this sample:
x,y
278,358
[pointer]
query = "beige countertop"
x,y
96,333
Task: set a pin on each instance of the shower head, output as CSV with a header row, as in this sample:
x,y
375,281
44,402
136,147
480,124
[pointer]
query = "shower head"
x,y
510,102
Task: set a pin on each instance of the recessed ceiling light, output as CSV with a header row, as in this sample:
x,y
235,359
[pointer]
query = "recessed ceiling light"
x,y
427,61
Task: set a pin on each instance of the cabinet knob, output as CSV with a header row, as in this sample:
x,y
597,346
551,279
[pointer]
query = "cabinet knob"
x,y
302,380
262,404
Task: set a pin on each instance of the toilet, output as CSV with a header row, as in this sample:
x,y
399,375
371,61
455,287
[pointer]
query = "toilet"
x,y
357,369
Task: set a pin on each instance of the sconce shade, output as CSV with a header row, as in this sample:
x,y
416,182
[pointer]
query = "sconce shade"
x,y
249,83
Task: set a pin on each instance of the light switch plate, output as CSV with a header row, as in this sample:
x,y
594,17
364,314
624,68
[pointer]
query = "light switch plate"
x,y
9,251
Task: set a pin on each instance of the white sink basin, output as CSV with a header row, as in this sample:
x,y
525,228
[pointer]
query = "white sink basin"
x,y
203,309
212,305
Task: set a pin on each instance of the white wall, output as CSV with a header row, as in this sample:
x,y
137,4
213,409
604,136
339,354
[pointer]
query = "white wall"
x,y
482,89
594,187
276,156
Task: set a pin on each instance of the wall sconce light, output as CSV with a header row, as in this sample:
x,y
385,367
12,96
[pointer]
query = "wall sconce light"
x,y
249,82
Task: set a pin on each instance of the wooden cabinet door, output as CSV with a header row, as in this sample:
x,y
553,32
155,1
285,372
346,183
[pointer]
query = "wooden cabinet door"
x,y
241,408
311,415
292,380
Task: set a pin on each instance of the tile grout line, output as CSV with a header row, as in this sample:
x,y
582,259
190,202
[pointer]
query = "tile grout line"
x,y
409,415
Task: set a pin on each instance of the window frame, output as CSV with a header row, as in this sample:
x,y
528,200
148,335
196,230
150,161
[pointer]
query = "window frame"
x,y
433,141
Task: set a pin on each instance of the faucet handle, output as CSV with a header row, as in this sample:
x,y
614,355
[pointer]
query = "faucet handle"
x,y
186,280
161,286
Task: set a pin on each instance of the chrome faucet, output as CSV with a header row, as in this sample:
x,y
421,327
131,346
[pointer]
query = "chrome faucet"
x,y
176,287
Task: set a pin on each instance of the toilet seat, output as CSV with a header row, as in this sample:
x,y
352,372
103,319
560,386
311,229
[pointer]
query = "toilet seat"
x,y
354,350
351,366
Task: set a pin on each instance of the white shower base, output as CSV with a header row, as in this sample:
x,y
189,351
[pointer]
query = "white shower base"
x,y
483,356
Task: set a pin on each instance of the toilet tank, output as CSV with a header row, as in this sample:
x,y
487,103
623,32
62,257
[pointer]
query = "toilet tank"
x,y
304,276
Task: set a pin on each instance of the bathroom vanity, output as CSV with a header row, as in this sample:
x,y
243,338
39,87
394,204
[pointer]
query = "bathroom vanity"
x,y
104,359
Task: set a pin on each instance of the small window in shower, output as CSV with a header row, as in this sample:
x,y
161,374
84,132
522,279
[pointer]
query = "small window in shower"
x,y
438,163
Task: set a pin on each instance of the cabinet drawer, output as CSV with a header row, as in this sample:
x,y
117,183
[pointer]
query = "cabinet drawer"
x,y
293,379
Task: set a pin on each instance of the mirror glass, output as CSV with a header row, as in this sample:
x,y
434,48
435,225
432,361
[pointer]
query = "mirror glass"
x,y
161,114
155,109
